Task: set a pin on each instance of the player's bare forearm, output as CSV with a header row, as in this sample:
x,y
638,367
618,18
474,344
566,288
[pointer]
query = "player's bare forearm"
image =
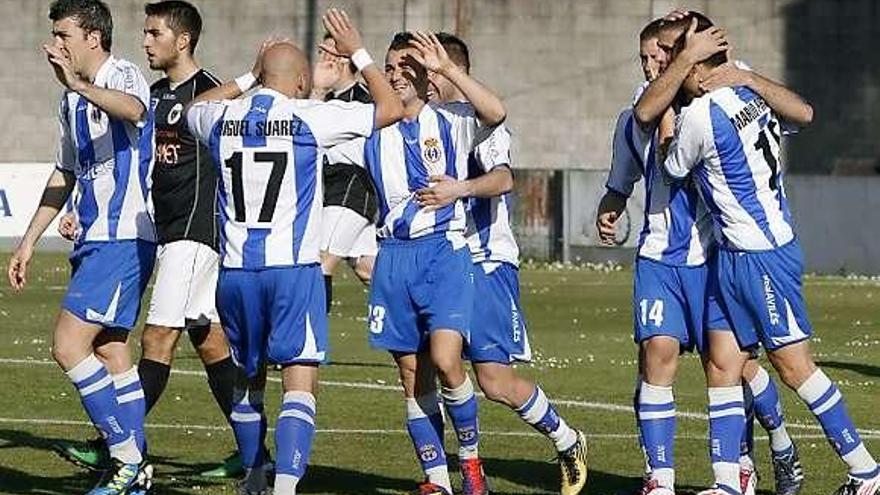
x,y
490,110
58,188
116,103
498,181
665,132
226,91
661,92
785,102
389,107
39,222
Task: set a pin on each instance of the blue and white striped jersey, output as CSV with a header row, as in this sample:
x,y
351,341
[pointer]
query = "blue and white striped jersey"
x,y
112,159
489,234
676,230
729,141
400,158
266,150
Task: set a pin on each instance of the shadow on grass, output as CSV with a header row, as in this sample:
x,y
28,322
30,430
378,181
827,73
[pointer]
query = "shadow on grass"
x,y
27,479
177,478
864,369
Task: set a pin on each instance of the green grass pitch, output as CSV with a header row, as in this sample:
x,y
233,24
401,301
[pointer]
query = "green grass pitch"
x,y
579,325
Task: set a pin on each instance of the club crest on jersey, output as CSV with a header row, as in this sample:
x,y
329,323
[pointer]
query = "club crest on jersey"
x,y
431,150
174,113
96,114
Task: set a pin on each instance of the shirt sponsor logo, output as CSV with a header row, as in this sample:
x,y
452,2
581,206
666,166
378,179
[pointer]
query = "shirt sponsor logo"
x,y
174,114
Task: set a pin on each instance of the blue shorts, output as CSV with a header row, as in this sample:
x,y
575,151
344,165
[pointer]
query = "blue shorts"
x,y
108,280
418,286
761,293
498,329
275,315
670,301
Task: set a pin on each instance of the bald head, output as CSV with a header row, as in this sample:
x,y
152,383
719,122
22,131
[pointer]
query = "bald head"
x,y
286,70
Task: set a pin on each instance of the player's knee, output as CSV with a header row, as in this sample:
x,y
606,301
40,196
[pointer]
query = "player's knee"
x,y
660,359
449,368
494,386
210,343
158,343
793,369
364,270
64,356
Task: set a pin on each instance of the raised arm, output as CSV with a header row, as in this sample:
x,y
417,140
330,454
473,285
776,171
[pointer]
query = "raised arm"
x,y
389,108
117,104
660,93
231,90
489,108
785,102
55,194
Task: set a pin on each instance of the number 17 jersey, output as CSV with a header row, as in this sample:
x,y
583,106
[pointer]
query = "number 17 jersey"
x,y
269,190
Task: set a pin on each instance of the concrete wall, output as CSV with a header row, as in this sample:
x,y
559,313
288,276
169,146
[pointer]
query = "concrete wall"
x,y
564,67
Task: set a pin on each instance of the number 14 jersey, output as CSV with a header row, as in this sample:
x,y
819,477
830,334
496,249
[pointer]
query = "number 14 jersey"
x,y
269,190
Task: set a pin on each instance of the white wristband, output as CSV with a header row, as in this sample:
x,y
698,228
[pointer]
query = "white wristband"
x,y
245,81
360,58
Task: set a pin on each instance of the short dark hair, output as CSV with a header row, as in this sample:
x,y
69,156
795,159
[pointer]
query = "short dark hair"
x,y
703,23
652,30
181,16
401,41
457,49
90,15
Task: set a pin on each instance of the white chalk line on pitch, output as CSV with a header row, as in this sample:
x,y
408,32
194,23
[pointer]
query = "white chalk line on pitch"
x,y
599,406
358,431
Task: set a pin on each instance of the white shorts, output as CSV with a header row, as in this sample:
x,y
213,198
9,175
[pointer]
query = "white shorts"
x,y
366,244
186,285
341,229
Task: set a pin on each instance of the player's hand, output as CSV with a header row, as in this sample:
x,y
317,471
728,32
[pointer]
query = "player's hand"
x,y
67,226
63,68
605,225
725,75
257,69
675,15
702,45
432,55
17,270
611,207
444,190
348,39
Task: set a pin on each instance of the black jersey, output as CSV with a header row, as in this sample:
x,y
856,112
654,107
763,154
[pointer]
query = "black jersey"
x,y
345,184
184,178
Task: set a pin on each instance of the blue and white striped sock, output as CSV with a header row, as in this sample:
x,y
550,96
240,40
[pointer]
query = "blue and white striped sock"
x,y
657,423
726,423
294,434
461,403
542,416
249,426
132,406
95,387
427,443
826,402
768,410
